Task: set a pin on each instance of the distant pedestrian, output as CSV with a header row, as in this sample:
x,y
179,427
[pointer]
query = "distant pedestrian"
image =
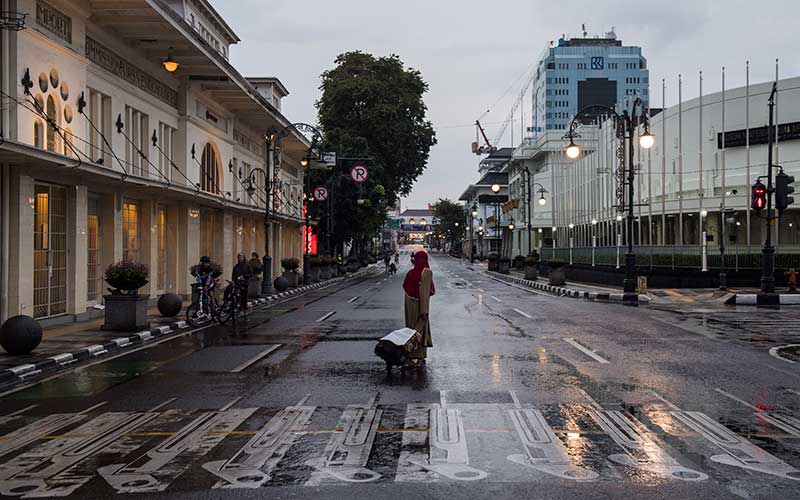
x,y
791,280
419,288
255,263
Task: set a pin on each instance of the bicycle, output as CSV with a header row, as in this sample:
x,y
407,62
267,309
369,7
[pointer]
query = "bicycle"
x,y
203,311
231,301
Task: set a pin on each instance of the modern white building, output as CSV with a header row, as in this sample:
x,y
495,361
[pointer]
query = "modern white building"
x,y
682,183
107,156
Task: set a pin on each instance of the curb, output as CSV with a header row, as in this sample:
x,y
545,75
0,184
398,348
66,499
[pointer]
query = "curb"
x,y
11,377
755,299
563,291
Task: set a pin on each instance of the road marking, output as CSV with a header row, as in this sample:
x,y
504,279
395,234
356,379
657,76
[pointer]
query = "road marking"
x,y
19,412
731,396
574,343
353,299
481,290
515,398
252,465
495,298
158,467
523,313
320,320
665,401
230,405
98,405
773,351
632,436
258,357
161,405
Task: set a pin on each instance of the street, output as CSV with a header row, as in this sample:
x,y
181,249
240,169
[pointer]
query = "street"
x,y
524,394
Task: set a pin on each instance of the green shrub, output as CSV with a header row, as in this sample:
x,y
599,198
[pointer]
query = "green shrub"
x,y
492,257
290,263
126,277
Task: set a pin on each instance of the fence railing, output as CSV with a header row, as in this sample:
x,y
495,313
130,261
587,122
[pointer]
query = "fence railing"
x,y
675,256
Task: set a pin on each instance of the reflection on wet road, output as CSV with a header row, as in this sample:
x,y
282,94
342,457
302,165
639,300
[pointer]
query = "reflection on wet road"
x,y
573,399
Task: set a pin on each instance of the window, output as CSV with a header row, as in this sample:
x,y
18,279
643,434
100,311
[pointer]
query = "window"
x,y
67,142
166,141
130,231
161,244
100,115
210,173
137,147
52,133
581,65
38,134
94,272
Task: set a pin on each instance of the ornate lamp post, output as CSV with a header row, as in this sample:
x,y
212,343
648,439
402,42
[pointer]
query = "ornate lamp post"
x,y
498,234
541,200
626,127
473,212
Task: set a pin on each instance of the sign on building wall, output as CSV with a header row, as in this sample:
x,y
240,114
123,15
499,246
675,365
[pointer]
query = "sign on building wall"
x,y
109,60
54,20
758,135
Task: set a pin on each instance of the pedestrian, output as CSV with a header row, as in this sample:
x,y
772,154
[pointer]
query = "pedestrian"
x,y
255,263
791,280
418,287
240,277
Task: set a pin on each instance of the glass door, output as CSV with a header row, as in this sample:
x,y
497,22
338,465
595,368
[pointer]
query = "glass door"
x,y
49,251
94,272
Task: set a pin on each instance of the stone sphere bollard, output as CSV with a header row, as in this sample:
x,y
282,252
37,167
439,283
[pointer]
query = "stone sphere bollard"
x,y
169,305
280,284
20,335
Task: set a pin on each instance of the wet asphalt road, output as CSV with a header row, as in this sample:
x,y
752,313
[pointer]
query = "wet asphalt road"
x,y
525,395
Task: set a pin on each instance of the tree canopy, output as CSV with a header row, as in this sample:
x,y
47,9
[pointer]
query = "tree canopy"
x,y
371,108
451,217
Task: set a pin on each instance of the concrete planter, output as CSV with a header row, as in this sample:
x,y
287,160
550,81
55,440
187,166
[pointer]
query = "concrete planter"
x,y
127,313
493,265
531,273
312,276
292,277
254,287
342,270
504,267
324,273
557,277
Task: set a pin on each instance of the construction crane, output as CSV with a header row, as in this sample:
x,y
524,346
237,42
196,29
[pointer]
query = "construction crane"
x,y
515,106
487,148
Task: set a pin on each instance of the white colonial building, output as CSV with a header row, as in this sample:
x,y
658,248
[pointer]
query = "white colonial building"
x,y
107,156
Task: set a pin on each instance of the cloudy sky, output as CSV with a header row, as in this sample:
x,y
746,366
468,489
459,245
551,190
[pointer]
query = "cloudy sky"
x,y
473,53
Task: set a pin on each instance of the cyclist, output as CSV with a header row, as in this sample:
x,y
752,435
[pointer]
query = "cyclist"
x,y
240,276
204,276
397,258
386,261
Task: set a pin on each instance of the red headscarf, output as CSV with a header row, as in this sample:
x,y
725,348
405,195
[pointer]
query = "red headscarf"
x,y
414,276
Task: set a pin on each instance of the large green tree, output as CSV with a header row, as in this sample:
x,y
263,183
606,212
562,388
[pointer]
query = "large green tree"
x,y
451,219
371,107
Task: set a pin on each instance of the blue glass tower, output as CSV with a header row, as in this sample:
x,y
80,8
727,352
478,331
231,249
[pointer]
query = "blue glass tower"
x,y
580,72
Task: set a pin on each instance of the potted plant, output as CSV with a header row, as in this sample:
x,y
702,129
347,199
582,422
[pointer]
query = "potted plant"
x,y
290,266
531,266
324,268
314,264
492,258
352,264
504,264
519,262
125,308
558,274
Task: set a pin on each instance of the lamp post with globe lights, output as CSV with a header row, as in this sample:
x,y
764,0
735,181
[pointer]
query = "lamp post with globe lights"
x,y
496,191
626,125
473,213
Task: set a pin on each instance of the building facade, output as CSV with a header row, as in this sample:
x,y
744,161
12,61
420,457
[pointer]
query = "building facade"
x,y
107,156
579,72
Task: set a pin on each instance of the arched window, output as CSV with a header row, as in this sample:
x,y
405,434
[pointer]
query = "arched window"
x,y
38,134
52,134
210,172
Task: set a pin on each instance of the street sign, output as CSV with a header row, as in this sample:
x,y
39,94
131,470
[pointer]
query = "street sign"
x,y
329,158
359,173
320,193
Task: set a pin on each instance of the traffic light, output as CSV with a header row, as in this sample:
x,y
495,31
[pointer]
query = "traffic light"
x,y
783,189
759,197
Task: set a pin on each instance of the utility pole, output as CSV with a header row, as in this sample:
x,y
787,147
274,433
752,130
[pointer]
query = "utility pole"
x,y
768,295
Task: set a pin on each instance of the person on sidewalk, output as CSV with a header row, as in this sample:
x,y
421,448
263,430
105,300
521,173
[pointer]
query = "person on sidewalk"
x,y
255,264
791,280
240,277
418,287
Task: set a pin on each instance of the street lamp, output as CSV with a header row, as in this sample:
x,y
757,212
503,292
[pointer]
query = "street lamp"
x,y
511,225
626,125
496,190
473,213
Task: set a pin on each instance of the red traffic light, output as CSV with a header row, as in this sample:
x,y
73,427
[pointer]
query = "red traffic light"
x,y
759,196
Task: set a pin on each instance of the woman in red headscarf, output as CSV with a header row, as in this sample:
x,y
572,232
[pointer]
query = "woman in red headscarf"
x,y
418,286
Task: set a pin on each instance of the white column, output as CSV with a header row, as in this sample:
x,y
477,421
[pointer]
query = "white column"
x,y
77,254
20,269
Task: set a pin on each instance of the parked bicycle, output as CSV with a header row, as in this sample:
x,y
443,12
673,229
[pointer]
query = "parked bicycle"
x,y
232,301
203,311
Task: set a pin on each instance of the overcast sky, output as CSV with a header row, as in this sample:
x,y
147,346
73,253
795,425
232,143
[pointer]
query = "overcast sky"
x,y
472,53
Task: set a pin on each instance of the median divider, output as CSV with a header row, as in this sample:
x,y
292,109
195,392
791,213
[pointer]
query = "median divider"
x,y
563,291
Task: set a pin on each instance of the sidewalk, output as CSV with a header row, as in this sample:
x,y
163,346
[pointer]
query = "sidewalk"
x,y
65,346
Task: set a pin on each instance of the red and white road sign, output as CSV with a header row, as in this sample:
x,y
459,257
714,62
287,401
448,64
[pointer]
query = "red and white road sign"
x,y
320,194
359,173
